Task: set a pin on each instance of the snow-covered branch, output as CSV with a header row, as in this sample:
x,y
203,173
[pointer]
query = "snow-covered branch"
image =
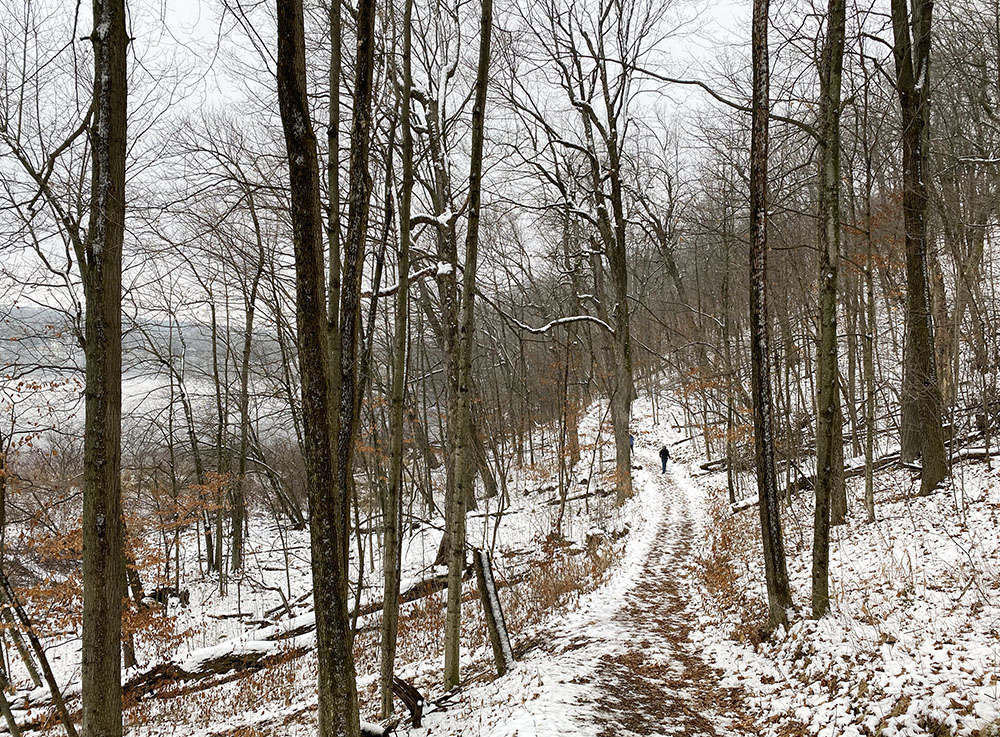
x,y
549,325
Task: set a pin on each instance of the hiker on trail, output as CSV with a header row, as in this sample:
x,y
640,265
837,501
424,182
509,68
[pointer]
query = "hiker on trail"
x,y
631,441
664,457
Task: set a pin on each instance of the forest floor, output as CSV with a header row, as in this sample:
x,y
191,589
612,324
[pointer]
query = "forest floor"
x,y
672,641
911,646
639,619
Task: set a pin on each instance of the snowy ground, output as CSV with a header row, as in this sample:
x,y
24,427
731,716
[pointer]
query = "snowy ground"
x,y
537,576
641,620
623,662
912,646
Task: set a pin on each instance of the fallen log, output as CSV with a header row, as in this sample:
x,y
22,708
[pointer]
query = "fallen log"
x,y
418,590
169,679
376,730
495,623
805,482
214,666
579,497
271,613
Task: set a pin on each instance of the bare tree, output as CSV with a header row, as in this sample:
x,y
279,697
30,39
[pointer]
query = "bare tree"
x,y
464,450
829,418
328,494
393,505
778,593
101,267
921,432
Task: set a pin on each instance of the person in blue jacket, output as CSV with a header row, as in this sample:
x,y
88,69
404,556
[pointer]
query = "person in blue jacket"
x,y
664,457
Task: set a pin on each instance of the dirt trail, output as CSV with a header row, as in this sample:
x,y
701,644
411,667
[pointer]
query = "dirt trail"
x,y
622,662
656,683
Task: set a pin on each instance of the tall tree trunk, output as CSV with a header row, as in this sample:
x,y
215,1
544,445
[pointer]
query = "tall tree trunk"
x,y
333,194
103,538
621,401
921,433
868,352
221,456
325,474
393,510
250,308
869,367
778,593
359,189
464,450
850,392
829,424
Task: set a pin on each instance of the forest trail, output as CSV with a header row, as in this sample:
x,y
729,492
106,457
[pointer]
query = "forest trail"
x,y
621,663
656,683
625,663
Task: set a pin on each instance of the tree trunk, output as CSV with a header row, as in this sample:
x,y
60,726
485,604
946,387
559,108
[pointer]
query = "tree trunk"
x,y
103,546
868,351
921,433
464,450
829,425
326,472
393,508
778,593
333,193
221,457
250,308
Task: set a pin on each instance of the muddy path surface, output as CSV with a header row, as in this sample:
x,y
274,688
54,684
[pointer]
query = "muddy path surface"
x,y
655,682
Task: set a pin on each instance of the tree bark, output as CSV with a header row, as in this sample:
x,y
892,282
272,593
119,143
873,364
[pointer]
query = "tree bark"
x,y
250,308
103,539
325,474
393,509
921,432
333,194
868,321
829,423
778,593
464,446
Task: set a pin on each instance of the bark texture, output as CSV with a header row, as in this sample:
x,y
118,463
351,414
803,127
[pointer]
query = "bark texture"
x,y
778,594
393,510
921,432
103,537
829,419
328,497
464,446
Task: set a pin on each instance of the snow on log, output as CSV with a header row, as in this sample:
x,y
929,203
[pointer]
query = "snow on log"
x,y
495,623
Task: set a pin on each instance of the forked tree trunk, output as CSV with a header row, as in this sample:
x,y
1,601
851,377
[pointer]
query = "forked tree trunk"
x,y
359,191
325,470
921,432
